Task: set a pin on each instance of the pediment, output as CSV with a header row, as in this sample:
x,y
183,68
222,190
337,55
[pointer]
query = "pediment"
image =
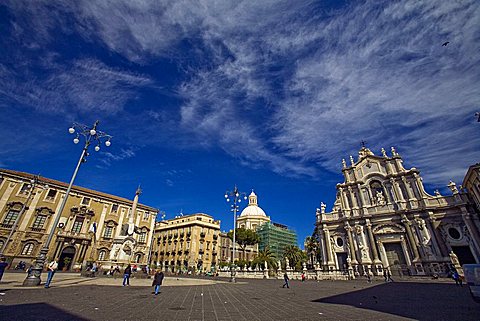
x,y
388,229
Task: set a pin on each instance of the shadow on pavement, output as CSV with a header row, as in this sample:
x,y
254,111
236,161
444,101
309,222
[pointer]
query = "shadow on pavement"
x,y
421,301
35,311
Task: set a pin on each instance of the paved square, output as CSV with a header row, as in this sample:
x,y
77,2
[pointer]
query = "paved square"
x,y
75,298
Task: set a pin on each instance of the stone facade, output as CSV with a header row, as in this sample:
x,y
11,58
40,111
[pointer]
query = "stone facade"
x,y
86,229
384,219
187,243
472,183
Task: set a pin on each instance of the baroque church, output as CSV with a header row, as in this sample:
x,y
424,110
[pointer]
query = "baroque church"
x,y
383,218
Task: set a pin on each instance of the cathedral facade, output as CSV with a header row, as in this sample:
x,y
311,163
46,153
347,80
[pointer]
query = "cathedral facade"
x,y
384,219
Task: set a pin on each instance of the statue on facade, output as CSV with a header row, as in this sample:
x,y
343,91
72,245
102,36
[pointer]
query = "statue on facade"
x,y
344,163
453,187
437,192
380,198
384,153
394,152
323,206
454,259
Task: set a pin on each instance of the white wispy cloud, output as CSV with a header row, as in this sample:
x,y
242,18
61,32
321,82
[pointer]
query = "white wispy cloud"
x,y
84,85
289,85
374,71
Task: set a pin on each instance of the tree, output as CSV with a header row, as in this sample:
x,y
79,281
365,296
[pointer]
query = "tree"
x,y
312,248
244,237
265,256
295,255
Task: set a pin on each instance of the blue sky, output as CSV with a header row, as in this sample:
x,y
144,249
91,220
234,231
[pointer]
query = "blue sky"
x,y
268,95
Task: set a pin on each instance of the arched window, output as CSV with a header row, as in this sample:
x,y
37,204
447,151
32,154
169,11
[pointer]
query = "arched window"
x,y
27,249
376,186
138,258
101,255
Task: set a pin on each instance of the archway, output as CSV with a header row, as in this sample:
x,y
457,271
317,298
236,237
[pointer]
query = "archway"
x,y
66,258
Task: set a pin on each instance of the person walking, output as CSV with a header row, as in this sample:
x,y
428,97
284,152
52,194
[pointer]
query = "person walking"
x,y
157,281
3,266
368,276
457,278
51,269
303,277
126,275
285,277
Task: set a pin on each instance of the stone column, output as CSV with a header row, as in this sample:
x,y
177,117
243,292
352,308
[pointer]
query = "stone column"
x,y
323,246
397,190
405,252
436,236
101,222
353,256
472,228
408,189
120,222
31,210
373,246
328,247
411,238
352,196
344,200
6,195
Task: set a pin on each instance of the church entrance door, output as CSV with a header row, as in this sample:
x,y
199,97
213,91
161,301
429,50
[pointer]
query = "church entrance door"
x,y
395,257
66,258
342,261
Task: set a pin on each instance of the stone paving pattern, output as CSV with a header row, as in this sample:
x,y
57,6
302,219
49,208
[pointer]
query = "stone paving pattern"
x,y
246,300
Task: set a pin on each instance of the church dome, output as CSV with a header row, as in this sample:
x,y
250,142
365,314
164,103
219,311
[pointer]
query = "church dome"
x,y
252,209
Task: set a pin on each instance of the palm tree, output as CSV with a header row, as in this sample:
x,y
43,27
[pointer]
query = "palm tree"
x,y
295,255
265,255
312,247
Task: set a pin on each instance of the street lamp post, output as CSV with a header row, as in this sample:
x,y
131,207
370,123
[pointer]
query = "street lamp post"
x,y
31,191
237,198
91,135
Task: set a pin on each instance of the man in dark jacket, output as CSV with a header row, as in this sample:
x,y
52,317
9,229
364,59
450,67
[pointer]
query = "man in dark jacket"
x,y
126,275
157,281
285,278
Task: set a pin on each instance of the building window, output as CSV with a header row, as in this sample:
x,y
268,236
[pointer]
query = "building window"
x,y
27,249
39,221
142,237
108,232
101,255
146,215
25,188
77,225
454,233
138,258
52,193
86,201
339,242
10,218
2,243
114,208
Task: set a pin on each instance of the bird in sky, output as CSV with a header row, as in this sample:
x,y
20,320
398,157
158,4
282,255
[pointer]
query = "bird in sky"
x,y
445,43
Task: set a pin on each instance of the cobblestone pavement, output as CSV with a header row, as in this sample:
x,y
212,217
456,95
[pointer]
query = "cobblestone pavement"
x,y
246,300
